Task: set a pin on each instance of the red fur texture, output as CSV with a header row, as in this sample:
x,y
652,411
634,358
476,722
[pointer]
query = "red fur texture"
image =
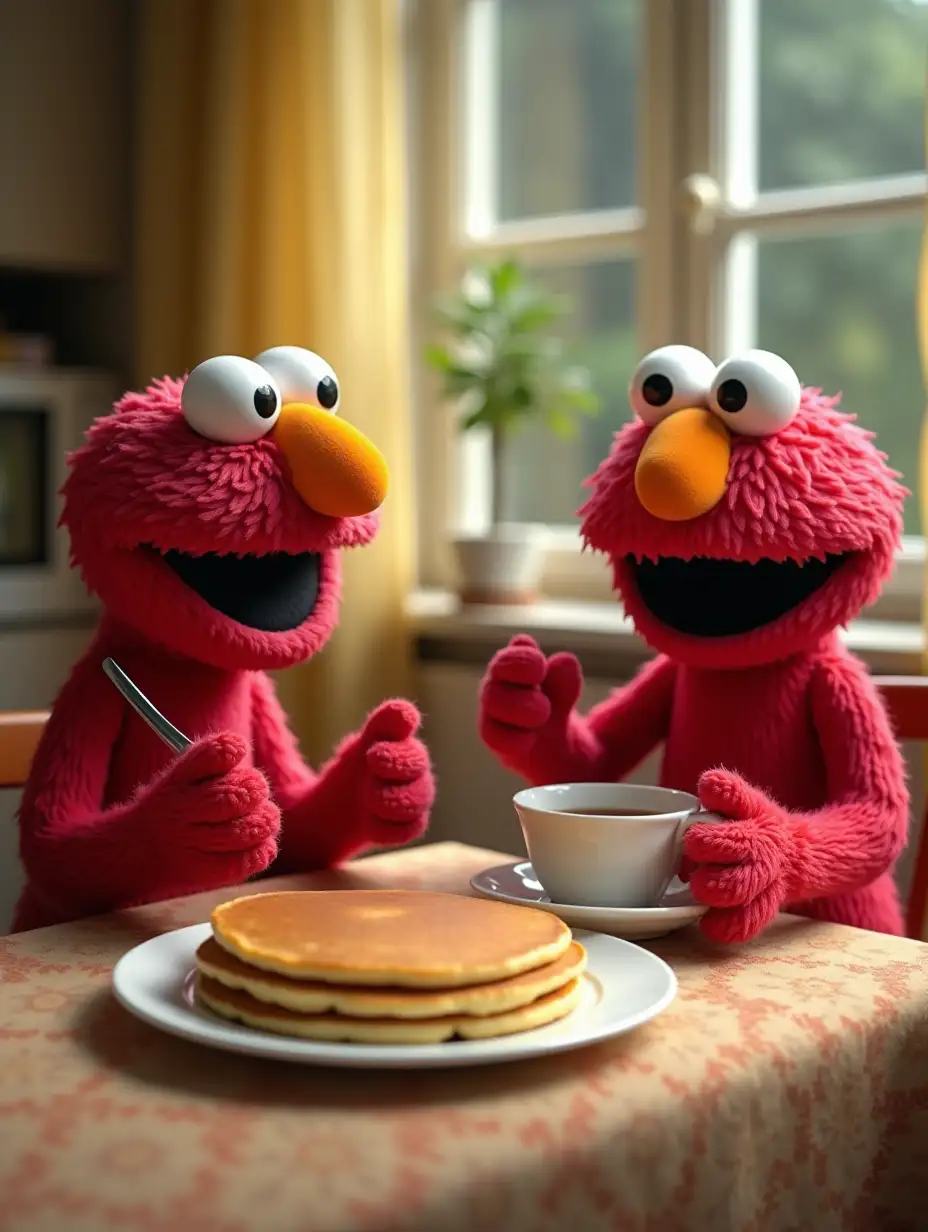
x,y
779,730
110,816
819,486
144,477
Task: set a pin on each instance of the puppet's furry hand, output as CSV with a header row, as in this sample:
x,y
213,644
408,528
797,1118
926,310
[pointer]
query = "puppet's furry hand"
x,y
397,790
741,868
213,817
377,790
526,700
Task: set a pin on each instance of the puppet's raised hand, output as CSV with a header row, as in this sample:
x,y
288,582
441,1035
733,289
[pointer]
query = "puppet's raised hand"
x,y
395,776
743,869
208,815
526,708
377,790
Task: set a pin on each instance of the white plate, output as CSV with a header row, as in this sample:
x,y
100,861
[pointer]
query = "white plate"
x,y
623,987
516,883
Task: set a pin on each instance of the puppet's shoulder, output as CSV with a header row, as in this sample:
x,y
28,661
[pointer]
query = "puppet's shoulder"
x,y
841,683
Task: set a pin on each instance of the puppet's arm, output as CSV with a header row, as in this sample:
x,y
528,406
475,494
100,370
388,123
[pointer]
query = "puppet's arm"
x,y
767,858
528,716
376,790
206,821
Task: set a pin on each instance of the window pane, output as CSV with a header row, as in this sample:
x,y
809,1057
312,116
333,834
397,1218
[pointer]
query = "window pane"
x,y
567,82
545,472
842,90
841,309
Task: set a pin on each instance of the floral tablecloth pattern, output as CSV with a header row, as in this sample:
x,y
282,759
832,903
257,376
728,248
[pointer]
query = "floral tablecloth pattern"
x,y
786,1088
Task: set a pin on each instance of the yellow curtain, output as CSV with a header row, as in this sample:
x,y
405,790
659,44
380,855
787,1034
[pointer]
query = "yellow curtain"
x,y
270,190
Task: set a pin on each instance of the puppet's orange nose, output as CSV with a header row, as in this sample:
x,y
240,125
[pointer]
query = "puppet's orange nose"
x,y
682,469
335,468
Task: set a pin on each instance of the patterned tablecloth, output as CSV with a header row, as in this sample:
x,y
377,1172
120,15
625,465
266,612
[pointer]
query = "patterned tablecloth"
x,y
786,1088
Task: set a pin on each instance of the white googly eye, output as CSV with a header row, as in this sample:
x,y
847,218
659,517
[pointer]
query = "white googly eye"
x,y
231,400
755,394
669,379
303,376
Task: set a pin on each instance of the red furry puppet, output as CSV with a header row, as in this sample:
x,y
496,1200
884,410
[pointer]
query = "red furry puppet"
x,y
208,516
746,520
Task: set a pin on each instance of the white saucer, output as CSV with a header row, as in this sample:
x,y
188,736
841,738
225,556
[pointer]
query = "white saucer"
x,y
623,987
516,883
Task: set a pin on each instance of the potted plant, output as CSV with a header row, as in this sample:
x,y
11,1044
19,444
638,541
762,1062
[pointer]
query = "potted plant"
x,y
504,368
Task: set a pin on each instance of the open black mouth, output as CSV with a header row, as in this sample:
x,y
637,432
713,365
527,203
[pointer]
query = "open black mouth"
x,y
273,593
721,598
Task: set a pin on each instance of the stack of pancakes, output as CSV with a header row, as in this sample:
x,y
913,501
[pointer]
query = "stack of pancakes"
x,y
387,966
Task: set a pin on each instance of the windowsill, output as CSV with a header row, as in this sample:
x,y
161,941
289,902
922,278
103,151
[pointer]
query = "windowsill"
x,y
602,636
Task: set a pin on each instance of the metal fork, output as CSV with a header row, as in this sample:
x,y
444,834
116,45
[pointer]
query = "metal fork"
x,y
144,709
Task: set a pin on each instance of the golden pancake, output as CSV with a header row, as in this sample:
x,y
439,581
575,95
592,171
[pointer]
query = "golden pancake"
x,y
240,1007
388,937
314,997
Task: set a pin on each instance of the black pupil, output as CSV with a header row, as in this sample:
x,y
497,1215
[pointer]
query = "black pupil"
x,y
732,396
327,393
265,401
657,390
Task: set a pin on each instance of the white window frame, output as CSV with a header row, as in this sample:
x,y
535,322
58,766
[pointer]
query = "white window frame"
x,y
692,143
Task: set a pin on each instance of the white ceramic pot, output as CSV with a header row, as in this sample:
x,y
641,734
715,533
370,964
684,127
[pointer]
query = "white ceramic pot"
x,y
502,566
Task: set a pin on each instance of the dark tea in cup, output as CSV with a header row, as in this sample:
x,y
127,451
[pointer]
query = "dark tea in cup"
x,y
605,844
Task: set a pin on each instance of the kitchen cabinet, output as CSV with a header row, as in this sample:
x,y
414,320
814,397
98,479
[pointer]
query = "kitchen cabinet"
x,y
65,104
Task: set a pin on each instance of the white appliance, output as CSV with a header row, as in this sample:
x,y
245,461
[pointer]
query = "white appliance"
x,y
43,416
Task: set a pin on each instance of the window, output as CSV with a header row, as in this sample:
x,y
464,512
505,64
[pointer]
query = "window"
x,y
726,173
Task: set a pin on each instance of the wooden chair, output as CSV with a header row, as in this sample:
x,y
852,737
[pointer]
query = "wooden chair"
x,y
20,731
906,700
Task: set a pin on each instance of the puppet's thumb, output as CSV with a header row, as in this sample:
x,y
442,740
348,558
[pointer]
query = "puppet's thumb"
x,y
729,795
392,720
563,683
208,758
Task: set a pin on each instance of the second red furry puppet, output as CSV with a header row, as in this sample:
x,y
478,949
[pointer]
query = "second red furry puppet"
x,y
746,521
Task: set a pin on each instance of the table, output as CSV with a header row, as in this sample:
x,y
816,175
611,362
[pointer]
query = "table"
x,y
786,1088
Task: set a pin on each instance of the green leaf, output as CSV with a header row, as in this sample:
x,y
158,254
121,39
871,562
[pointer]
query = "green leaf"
x,y
460,380
524,349
438,356
505,277
523,397
473,420
535,316
458,318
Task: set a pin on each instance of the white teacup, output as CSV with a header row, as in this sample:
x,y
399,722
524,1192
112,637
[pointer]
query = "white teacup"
x,y
605,844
